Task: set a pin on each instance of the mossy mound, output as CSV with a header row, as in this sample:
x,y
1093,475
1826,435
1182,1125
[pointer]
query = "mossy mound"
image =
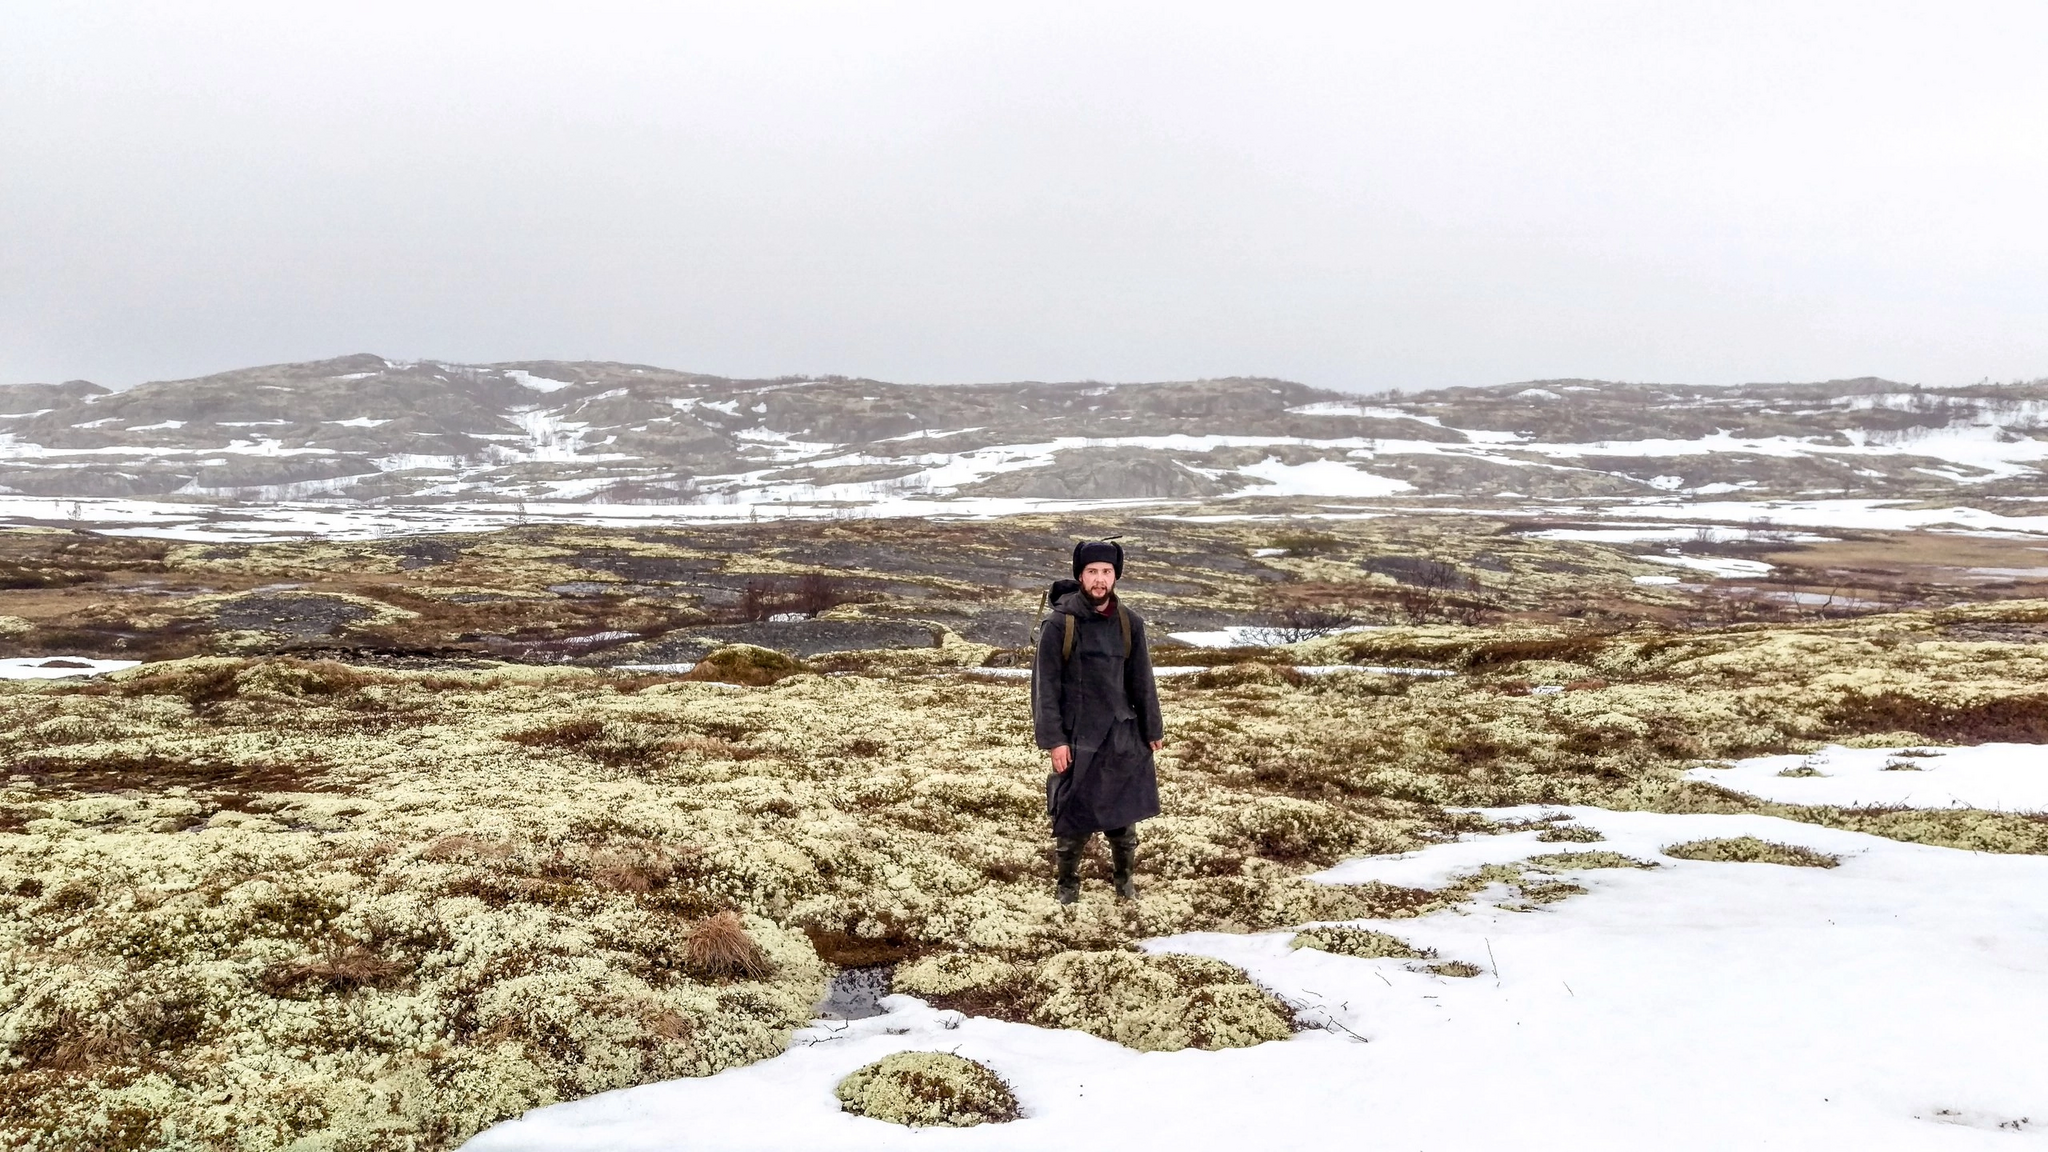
x,y
1287,828
1246,675
1362,942
923,1089
746,664
1560,861
1159,1003
1148,1002
1750,850
1570,834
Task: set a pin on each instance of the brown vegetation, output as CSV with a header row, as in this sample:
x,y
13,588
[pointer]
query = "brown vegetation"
x,y
719,947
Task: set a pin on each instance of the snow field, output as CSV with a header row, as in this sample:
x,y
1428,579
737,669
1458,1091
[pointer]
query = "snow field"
x,y
348,520
1995,777
1695,1005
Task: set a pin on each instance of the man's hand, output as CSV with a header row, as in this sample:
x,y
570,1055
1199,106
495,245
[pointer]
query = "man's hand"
x,y
1062,759
1158,744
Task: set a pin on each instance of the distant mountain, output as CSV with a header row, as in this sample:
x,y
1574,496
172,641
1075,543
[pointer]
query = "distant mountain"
x,y
365,429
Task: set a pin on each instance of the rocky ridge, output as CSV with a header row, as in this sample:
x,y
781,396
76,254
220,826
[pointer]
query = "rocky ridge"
x,y
363,429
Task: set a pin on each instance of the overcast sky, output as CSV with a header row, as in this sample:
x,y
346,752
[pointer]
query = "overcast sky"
x,y
1355,196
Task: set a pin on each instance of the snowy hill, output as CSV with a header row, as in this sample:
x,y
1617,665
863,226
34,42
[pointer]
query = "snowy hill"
x,y
364,430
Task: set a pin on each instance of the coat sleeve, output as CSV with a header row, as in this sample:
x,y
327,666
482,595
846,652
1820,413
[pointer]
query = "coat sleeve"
x,y
1141,686
1048,674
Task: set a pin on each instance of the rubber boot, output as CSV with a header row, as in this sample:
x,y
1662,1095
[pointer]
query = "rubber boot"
x,y
1069,852
1123,858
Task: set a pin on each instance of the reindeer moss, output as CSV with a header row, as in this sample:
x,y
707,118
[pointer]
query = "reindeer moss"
x,y
1347,941
1159,1003
454,895
1570,834
745,664
1154,1003
1750,850
928,1089
1598,858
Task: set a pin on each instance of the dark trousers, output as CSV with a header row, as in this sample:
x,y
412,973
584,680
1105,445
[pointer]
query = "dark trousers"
x,y
1124,837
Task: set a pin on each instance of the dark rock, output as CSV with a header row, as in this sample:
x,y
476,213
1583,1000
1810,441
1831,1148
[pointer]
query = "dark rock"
x,y
800,638
426,551
856,993
647,569
291,614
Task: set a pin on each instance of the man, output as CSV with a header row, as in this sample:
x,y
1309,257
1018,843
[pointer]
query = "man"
x,y
1097,713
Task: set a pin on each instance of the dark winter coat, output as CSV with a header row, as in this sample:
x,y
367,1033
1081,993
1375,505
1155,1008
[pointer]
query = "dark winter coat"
x,y
1106,708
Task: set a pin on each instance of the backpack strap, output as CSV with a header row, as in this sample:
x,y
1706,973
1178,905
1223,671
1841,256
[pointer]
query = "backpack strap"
x,y
1123,623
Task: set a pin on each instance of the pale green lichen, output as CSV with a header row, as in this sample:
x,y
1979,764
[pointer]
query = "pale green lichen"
x,y
1570,834
1157,1003
745,664
1750,850
1562,861
922,1089
414,903
1363,942
1154,1003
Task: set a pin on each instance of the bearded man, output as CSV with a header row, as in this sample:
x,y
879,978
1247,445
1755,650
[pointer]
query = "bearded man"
x,y
1097,712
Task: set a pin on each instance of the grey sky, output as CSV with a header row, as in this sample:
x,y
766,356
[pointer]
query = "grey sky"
x,y
1356,196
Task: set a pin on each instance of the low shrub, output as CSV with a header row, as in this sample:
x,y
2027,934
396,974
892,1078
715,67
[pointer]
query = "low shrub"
x,y
2018,719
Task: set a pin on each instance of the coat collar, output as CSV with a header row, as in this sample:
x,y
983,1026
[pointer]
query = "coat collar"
x,y
1076,604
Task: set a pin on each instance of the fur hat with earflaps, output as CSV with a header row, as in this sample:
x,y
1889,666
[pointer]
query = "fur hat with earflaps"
x,y
1099,552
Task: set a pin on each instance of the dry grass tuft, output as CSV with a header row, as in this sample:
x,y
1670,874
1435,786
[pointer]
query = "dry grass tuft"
x,y
615,746
1570,834
1750,850
719,947
350,968
635,868
74,1043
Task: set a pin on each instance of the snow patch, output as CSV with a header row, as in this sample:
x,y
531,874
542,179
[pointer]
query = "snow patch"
x,y
527,379
58,667
1721,1005
1718,565
1995,777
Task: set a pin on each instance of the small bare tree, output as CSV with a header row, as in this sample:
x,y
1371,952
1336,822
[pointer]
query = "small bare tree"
x,y
1298,622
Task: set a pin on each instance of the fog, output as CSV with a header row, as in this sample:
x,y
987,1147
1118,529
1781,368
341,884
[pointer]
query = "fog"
x,y
1354,196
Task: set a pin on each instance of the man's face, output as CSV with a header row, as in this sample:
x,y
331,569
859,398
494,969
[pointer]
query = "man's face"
x,y
1097,579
